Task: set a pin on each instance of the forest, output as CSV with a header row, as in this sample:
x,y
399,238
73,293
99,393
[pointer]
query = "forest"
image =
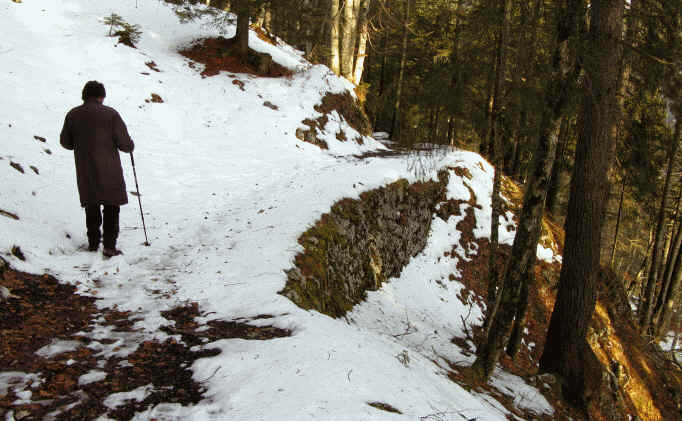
x,y
577,101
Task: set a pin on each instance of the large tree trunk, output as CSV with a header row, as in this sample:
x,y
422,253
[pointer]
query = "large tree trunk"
x,y
650,293
566,350
335,18
519,269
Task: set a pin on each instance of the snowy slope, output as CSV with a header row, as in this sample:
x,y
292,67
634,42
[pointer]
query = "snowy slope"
x,y
227,189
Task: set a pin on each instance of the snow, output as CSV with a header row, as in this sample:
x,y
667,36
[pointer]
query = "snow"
x,y
57,347
547,254
227,189
667,342
17,380
118,399
91,377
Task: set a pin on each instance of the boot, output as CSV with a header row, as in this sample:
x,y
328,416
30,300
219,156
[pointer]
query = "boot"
x,y
111,252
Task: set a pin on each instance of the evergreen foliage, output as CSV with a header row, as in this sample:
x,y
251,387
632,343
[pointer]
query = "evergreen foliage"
x,y
127,34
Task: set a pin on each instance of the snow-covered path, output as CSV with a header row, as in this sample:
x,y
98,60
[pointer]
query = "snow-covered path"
x,y
227,189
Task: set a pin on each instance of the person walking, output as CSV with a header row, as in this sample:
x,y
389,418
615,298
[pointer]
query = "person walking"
x,y
96,133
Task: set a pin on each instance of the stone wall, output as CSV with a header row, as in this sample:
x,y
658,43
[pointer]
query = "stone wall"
x,y
361,243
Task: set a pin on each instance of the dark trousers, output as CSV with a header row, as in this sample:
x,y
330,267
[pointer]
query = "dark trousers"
x,y
93,220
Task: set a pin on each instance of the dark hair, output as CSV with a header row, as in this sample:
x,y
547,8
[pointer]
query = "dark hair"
x,y
93,89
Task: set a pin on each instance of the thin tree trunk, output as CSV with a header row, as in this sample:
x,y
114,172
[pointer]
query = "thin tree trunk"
x,y
620,212
675,246
307,28
673,346
347,46
668,290
451,127
668,234
643,267
486,146
396,123
671,298
334,57
455,80
566,350
646,309
496,158
514,153
520,318
363,28
557,170
663,273
382,77
437,131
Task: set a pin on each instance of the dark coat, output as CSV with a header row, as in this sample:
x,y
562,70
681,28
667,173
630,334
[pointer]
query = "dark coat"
x,y
96,133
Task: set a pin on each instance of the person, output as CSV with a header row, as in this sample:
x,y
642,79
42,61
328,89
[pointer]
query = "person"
x,y
96,133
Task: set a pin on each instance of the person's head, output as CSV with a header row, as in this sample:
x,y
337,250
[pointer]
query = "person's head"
x,y
93,90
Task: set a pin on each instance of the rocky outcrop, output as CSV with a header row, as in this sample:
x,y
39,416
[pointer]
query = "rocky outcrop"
x,y
361,243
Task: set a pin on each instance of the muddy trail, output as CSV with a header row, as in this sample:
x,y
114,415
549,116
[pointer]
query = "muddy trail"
x,y
66,359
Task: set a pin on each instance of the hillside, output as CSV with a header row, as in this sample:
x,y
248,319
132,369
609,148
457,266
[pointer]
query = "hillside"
x,y
233,169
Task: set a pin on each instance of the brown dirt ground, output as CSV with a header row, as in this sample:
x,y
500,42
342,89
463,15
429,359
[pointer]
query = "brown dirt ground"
x,y
47,310
212,52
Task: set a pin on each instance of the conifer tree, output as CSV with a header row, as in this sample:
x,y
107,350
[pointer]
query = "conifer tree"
x,y
566,350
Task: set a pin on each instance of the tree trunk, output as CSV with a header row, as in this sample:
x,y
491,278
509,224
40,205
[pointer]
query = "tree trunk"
x,y
668,234
519,268
496,158
486,146
334,57
243,9
670,299
566,350
520,317
558,169
347,45
620,212
396,123
363,28
455,80
510,302
675,246
646,308
643,269
669,287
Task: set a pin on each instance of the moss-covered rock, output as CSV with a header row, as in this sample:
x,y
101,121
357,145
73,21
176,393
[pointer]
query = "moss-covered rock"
x,y
361,243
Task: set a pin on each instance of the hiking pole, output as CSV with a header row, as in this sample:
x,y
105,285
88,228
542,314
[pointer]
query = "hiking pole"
x,y
137,187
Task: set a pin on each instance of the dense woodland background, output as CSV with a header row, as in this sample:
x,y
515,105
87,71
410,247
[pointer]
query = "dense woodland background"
x,y
577,101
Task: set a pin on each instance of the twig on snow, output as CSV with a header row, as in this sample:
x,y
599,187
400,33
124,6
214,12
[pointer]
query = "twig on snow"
x,y
410,329
211,376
